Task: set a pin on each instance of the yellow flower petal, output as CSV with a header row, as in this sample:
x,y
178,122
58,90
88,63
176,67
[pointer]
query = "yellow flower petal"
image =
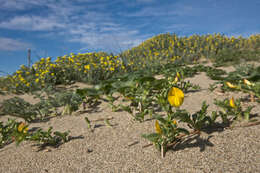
x,y
157,127
247,82
87,67
37,80
21,128
174,122
178,75
175,97
232,103
176,79
230,85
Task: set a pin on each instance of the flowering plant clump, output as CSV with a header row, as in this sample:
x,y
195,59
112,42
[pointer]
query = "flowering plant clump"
x,y
22,128
232,108
245,79
244,85
19,131
88,67
167,131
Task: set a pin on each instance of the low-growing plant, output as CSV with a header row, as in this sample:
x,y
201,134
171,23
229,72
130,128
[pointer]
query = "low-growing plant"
x,y
232,108
253,89
167,131
6,131
18,107
198,120
47,105
169,134
90,96
70,100
48,137
13,131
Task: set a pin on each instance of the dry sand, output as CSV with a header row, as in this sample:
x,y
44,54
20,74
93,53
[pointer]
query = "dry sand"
x,y
109,149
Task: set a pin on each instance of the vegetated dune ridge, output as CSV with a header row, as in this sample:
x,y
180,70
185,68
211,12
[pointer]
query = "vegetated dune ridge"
x,y
120,148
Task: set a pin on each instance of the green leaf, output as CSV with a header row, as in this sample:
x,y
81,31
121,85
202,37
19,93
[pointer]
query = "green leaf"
x,y
63,136
153,137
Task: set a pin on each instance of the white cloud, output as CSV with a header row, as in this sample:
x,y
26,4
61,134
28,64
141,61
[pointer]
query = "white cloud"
x,y
168,10
91,25
23,4
177,27
150,11
32,23
12,5
8,44
110,42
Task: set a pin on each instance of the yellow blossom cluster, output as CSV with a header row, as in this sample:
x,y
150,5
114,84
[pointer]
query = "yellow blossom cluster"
x,y
166,48
65,68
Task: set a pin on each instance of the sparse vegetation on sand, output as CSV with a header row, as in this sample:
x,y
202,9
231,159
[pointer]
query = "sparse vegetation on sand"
x,y
150,82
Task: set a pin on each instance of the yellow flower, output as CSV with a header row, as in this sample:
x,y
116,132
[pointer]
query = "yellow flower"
x,y
22,66
22,79
178,76
27,84
71,59
157,127
174,122
230,85
21,128
52,74
232,103
87,67
175,97
53,65
37,80
248,83
18,72
58,59
112,68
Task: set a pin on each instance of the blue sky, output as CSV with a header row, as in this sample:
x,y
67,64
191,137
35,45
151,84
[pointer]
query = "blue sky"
x,y
58,27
